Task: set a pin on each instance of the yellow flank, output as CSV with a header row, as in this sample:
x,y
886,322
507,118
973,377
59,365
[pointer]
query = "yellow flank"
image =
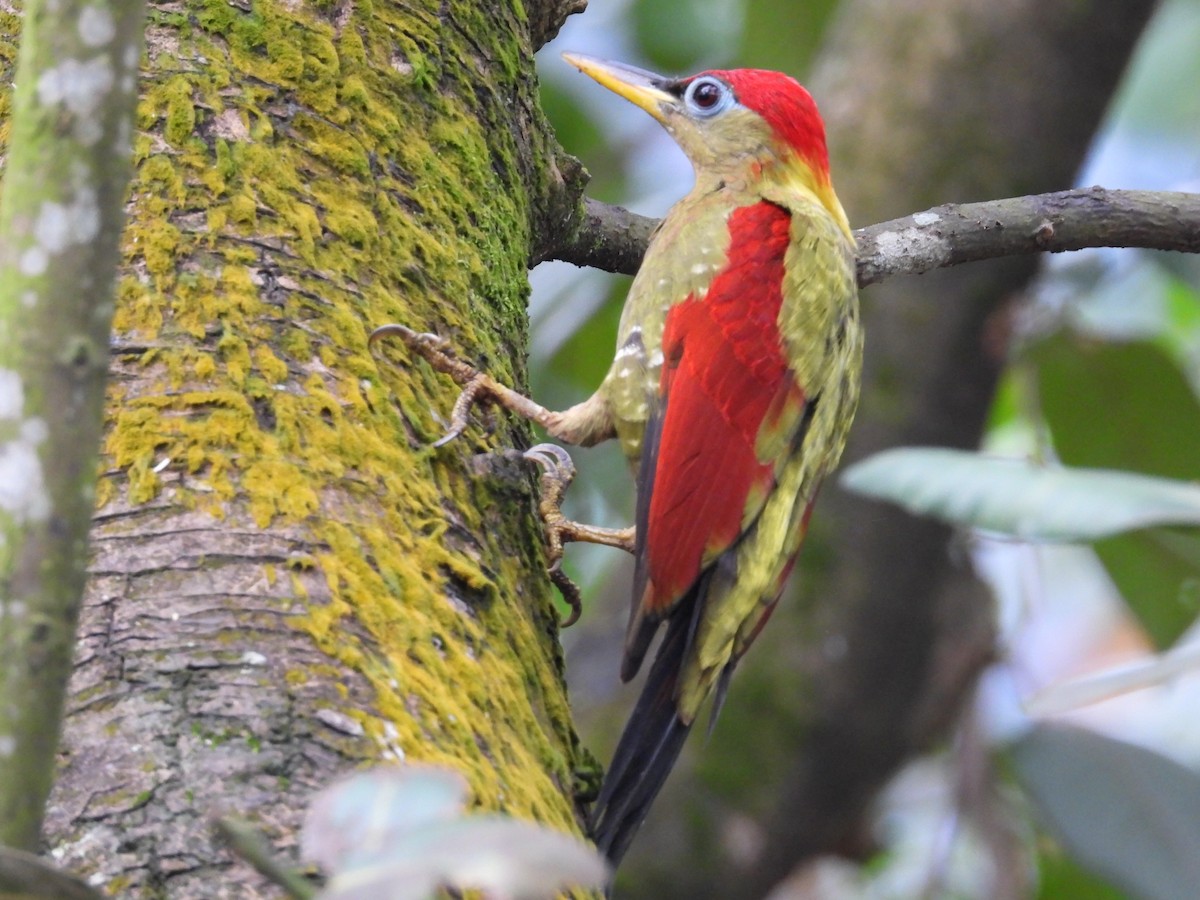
x,y
247,390
820,298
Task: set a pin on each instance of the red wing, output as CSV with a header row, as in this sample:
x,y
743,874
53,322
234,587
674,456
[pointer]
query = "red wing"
x,y
724,377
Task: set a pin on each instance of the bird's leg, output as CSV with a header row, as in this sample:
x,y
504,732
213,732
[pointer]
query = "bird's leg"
x,y
586,423
558,471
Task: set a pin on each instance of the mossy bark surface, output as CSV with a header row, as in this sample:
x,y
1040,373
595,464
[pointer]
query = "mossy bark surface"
x,y
287,581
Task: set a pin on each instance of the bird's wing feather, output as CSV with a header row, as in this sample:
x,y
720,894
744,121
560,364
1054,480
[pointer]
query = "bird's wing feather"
x,y
819,330
726,401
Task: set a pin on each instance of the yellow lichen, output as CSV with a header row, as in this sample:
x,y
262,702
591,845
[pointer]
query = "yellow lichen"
x,y
159,246
277,488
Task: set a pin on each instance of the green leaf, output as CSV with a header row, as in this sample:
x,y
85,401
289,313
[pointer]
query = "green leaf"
x,y
1129,406
1123,812
1061,878
1019,498
1157,571
1118,405
774,37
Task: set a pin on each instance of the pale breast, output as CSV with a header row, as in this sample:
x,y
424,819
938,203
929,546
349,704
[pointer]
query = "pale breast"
x,y
686,252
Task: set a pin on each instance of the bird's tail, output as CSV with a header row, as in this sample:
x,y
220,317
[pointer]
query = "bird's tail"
x,y
648,747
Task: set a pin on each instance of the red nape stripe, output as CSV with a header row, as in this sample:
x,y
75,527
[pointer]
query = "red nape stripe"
x,y
725,373
787,107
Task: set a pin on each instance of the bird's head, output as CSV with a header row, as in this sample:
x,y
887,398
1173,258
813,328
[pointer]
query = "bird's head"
x,y
733,124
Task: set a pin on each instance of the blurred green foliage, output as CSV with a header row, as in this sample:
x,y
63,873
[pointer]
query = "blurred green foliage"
x,y
1129,405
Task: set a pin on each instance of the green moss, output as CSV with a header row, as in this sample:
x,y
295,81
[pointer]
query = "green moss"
x,y
277,488
352,50
159,245
348,219
243,210
215,15
118,884
180,111
287,61
225,164
322,74
157,175
332,145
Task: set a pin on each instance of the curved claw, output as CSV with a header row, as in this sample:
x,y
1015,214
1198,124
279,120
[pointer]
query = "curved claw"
x,y
448,437
478,387
416,340
394,330
439,353
474,391
553,459
433,348
558,471
570,593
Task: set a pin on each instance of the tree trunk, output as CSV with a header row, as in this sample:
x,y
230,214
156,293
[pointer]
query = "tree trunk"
x,y
925,103
287,582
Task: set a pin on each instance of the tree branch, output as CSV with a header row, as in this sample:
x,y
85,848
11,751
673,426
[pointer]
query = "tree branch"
x,y
608,237
546,17
26,875
60,223
614,239
1065,220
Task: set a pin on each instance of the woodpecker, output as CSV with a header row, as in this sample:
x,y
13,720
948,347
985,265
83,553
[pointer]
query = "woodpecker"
x,y
732,389
733,385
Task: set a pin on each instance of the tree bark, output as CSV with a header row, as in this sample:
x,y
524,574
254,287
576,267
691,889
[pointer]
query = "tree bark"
x,y
286,581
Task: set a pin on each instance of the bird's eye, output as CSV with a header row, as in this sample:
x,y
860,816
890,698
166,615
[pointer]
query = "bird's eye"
x,y
706,96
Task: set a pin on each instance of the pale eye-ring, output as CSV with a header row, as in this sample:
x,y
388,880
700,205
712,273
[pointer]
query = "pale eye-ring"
x,y
707,96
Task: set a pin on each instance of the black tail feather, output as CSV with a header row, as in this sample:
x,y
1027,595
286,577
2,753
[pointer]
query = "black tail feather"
x,y
648,747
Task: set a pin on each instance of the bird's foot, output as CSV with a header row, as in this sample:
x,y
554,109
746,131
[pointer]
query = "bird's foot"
x,y
558,471
477,387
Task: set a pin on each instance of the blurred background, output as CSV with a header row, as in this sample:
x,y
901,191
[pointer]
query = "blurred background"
x,y
913,661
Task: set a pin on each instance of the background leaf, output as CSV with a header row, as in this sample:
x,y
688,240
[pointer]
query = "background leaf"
x,y
399,833
1128,405
502,857
1019,498
363,812
1124,812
